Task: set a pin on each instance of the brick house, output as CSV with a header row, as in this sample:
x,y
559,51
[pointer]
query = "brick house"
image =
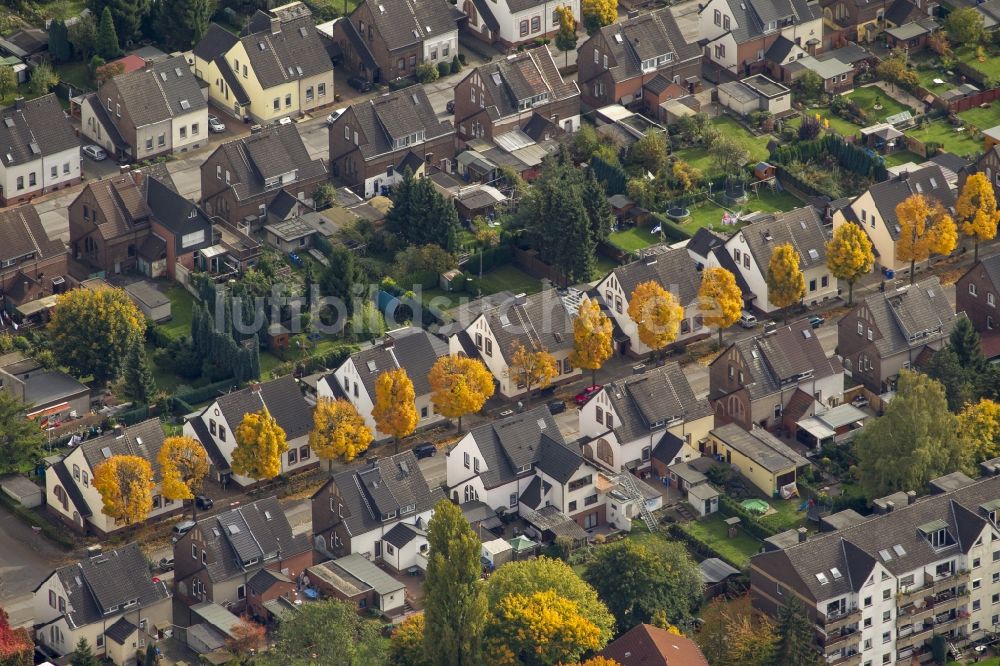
x,y
989,164
976,294
619,59
508,93
241,178
108,222
179,229
372,142
32,265
511,23
861,21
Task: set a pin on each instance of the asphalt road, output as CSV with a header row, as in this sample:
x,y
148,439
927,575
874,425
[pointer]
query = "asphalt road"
x,y
26,559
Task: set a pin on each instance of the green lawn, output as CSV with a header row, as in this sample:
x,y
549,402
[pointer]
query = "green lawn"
x,y
510,278
786,514
605,265
709,214
941,131
984,119
902,157
715,532
62,9
699,157
181,303
76,74
268,362
990,67
866,98
837,124
633,239
927,76
992,661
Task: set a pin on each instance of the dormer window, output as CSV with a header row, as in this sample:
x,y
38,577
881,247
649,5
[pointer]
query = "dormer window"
x,y
533,101
389,515
936,532
771,26
252,561
409,508
524,468
410,139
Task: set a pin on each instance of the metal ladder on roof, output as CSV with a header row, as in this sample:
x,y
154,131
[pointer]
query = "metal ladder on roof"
x,y
632,491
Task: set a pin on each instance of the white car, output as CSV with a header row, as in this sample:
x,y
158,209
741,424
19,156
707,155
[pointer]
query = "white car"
x,y
215,125
95,153
285,121
332,118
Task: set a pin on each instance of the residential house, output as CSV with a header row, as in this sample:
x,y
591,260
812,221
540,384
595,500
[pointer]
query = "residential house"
x,y
380,511
216,560
71,495
542,321
179,230
755,93
372,143
989,164
738,34
359,581
890,330
512,23
26,44
619,59
412,349
241,178
42,151
507,94
109,599
765,460
976,295
108,222
670,268
522,464
52,395
880,590
751,248
215,427
837,75
150,112
912,37
639,420
383,40
277,67
861,22
774,379
32,265
875,209
652,646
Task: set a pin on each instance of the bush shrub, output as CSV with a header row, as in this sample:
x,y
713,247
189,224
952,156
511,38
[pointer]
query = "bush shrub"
x,y
456,64
444,69
750,522
426,72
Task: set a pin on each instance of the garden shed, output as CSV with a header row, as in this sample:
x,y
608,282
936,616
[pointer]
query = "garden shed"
x,y
23,491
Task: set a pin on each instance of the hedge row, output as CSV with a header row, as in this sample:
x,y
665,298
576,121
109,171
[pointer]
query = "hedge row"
x,y
701,548
27,515
749,521
132,416
205,393
670,228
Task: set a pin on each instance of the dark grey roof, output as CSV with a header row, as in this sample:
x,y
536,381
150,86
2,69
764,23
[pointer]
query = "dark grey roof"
x,y
294,52
282,205
894,539
102,117
272,152
402,534
750,18
48,387
521,76
950,162
673,269
413,349
181,216
159,92
405,22
539,321
726,261
22,233
760,446
214,453
802,228
780,49
929,181
389,485
532,495
216,42
232,80
668,447
120,631
69,485
487,15
901,12
714,570
911,317
850,54
360,44
643,37
34,128
142,439
396,115
991,265
642,401
264,579
119,576
283,399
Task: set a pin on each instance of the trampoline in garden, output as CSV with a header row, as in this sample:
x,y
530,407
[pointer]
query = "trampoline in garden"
x,y
757,506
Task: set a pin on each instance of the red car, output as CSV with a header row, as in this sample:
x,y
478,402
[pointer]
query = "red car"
x,y
586,394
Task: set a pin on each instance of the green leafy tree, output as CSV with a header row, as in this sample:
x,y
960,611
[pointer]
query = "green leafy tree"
x,y
965,342
127,15
138,377
958,384
151,657
912,443
637,580
8,80
106,42
338,281
595,202
795,635
326,632
421,215
650,152
729,155
59,47
83,655
83,36
20,439
455,606
323,196
810,84
42,80
965,26
182,23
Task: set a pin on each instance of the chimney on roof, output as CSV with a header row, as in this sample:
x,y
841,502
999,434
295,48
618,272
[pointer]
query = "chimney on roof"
x,y
137,177
990,467
911,496
803,534
275,25
889,506
256,129
372,461
119,430
19,103
255,388
94,551
633,13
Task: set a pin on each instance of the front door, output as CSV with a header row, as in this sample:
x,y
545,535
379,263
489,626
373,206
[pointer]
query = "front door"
x,y
378,549
590,521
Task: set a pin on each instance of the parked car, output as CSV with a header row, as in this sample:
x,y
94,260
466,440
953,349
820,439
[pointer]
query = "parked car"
x,y
332,118
586,394
165,564
450,106
204,503
95,153
182,528
215,125
359,83
556,407
425,450
816,321
860,401
284,121
747,320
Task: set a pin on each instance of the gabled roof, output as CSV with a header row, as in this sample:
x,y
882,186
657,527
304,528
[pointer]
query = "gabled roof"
x,y
121,631
272,152
159,92
751,18
930,181
780,49
413,349
893,539
388,485
644,37
911,317
486,15
405,22
283,401
402,534
122,207
34,128
901,12
142,439
22,233
216,42
289,51
173,211
521,77
801,227
232,80
648,402
671,268
646,645
397,115
989,265
69,485
539,321
760,446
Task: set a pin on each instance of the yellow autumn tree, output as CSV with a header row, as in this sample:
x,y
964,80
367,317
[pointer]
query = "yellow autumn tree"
x,y
339,431
979,430
183,467
976,210
459,385
126,487
591,338
786,285
395,410
531,368
849,255
260,443
539,628
720,299
598,13
656,313
925,228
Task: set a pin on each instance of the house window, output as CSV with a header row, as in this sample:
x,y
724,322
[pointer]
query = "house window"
x,y
321,90
31,179
600,414
76,472
524,28
475,465
718,17
52,598
467,460
572,506
149,143
972,289
609,420
423,412
277,103
989,322
184,132
401,64
606,62
991,299
434,53
211,426
309,94
288,100
725,23
597,56
536,24
304,453
86,480
161,140
812,284
241,592
218,171
512,501
591,499
886,636
489,347
293,456
194,551
737,255
720,51
195,129
445,50
777,411
861,328
54,172
222,432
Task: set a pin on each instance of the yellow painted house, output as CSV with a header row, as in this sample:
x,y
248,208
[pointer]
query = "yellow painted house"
x,y
765,460
278,67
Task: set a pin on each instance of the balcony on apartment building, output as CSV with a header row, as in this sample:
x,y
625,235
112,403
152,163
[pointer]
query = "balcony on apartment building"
x,y
906,655
932,585
914,636
831,622
917,610
848,657
837,638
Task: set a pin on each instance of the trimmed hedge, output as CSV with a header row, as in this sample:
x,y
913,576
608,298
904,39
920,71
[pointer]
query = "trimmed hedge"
x,y
729,507
670,228
701,548
204,393
132,416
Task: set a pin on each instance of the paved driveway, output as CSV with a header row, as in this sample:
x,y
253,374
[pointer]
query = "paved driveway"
x,y
25,559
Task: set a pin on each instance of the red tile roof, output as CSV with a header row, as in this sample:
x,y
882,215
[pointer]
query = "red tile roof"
x,y
131,63
646,645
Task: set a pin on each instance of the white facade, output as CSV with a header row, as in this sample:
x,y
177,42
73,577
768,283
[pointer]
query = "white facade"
x,y
716,23
43,174
189,131
521,26
442,48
